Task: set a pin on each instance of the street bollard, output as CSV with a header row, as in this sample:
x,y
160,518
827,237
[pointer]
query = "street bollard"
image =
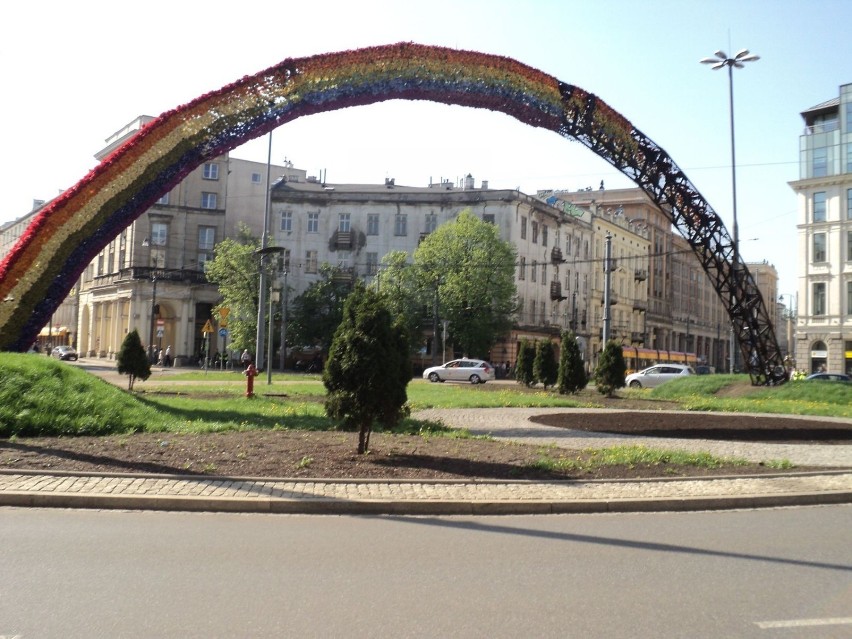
x,y
250,372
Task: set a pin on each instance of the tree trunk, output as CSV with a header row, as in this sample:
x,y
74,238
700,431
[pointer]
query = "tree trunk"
x,y
130,382
364,437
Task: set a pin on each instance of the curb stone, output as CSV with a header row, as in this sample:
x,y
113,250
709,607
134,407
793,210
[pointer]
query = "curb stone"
x,y
443,497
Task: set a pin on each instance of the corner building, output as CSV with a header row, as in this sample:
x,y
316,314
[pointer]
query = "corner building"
x,y
824,194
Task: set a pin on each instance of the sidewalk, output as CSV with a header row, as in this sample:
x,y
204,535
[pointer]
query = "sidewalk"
x,y
193,493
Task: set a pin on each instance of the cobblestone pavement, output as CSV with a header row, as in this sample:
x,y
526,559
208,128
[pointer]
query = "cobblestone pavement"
x,y
458,497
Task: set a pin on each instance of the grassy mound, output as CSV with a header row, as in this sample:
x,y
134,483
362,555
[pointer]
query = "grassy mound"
x,y
40,396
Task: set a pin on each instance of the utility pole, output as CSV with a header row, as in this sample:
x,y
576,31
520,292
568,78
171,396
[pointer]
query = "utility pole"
x,y
607,287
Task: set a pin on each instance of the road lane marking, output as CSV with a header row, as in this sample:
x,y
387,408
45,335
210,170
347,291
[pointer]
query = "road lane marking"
x,y
802,623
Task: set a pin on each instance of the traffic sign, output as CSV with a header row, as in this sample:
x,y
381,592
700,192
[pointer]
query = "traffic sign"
x,y
223,332
208,328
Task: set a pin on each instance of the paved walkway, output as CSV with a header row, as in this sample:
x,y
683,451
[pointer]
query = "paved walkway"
x,y
452,497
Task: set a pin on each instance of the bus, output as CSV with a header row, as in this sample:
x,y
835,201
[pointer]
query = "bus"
x,y
637,358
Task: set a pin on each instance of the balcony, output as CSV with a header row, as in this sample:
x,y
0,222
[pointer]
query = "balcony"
x,y
640,274
187,276
343,275
640,305
343,240
556,255
556,291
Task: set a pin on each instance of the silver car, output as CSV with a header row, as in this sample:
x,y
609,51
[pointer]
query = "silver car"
x,y
657,374
475,371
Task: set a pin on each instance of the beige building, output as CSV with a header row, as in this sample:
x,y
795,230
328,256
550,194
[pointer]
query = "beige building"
x,y
151,277
824,193
355,226
684,312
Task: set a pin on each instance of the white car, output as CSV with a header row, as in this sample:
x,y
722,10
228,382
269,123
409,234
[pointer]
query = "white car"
x,y
657,374
475,371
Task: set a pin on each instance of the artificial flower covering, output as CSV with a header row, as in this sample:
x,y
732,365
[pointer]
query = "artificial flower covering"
x,y
69,232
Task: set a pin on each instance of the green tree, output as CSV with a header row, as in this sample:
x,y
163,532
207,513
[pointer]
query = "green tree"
x,y
524,365
545,366
610,371
316,313
473,273
235,269
368,366
572,377
397,281
132,359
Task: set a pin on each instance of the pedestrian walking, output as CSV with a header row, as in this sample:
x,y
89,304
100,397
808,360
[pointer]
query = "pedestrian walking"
x,y
168,357
245,358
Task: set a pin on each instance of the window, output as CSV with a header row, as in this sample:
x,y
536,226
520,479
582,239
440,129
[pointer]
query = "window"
x,y
849,246
373,224
542,312
522,267
535,232
343,258
819,247
164,199
313,223
211,171
568,242
819,298
287,221
543,235
849,199
208,200
344,222
311,262
849,301
431,222
543,274
372,263
488,218
523,227
819,206
159,234
820,165
255,178
400,225
206,238
534,270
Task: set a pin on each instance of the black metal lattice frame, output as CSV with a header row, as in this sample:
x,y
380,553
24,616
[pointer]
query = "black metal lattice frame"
x,y
653,170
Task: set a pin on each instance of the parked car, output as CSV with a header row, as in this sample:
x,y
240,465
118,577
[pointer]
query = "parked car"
x,y
475,371
829,377
658,374
64,352
704,370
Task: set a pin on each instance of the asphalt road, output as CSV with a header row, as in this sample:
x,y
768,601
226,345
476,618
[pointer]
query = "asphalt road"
x,y
771,574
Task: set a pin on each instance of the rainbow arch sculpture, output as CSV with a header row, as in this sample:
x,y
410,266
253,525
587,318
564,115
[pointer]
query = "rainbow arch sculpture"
x,y
67,234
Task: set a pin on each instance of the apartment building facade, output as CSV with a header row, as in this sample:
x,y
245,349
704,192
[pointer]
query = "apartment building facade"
x,y
354,226
823,315
151,277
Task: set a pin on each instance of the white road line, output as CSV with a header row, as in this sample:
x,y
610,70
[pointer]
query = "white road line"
x,y
801,623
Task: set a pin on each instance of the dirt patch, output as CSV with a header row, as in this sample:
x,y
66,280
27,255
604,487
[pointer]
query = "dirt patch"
x,y
333,454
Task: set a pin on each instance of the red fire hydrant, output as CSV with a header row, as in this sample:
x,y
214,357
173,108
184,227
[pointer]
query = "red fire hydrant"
x,y
250,372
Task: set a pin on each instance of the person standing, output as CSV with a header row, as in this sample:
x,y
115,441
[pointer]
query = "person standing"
x,y
168,357
245,358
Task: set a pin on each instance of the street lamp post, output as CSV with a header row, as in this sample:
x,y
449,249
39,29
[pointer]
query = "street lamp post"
x,y
264,243
263,252
720,60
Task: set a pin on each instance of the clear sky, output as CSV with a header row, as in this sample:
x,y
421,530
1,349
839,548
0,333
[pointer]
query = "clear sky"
x,y
77,71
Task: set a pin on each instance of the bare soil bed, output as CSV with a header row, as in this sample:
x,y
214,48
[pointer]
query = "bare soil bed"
x,y
333,454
